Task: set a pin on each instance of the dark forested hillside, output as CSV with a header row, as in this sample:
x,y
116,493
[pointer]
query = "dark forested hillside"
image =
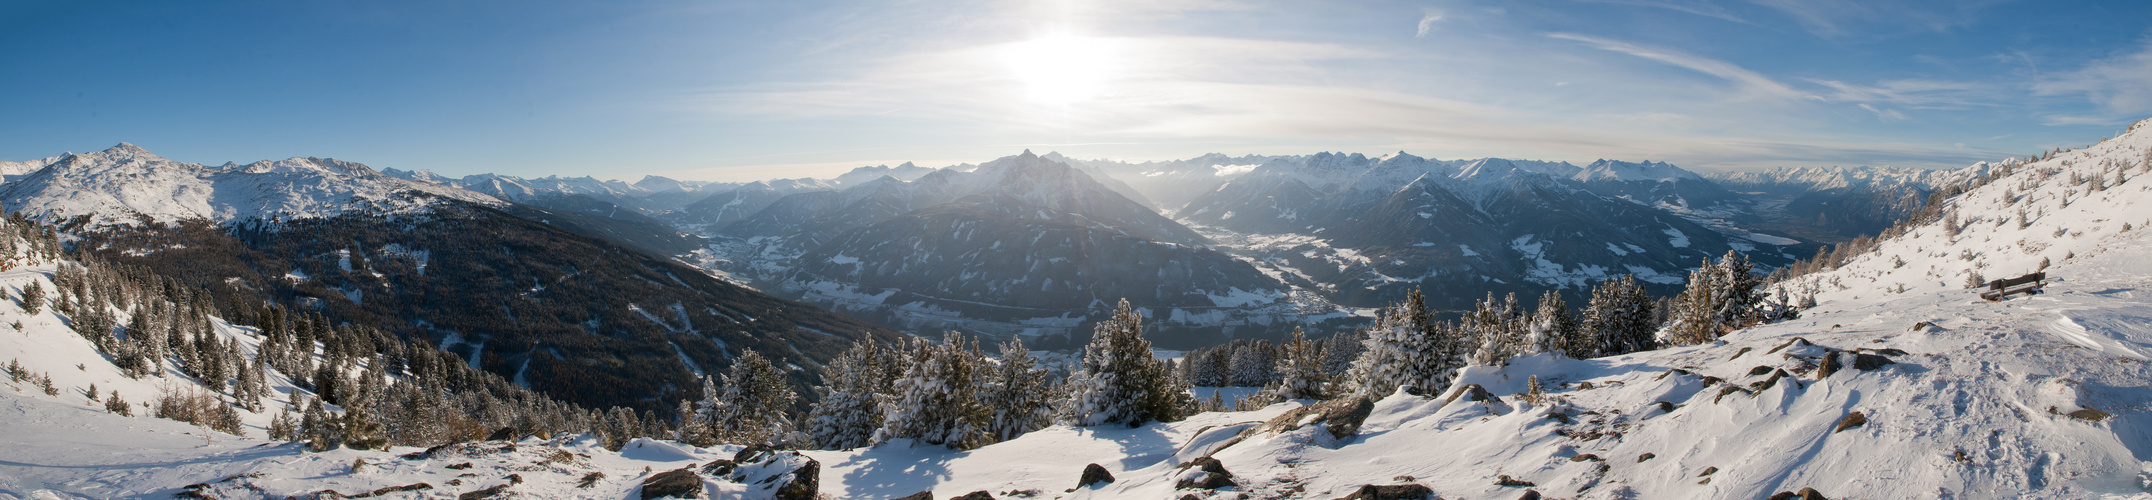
x,y
573,316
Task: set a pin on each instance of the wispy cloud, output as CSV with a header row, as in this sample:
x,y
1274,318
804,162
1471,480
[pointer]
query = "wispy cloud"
x,y
1751,81
1706,9
1427,23
1922,94
1864,19
2120,86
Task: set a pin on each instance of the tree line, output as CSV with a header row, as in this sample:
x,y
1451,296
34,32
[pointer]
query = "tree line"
x,y
952,394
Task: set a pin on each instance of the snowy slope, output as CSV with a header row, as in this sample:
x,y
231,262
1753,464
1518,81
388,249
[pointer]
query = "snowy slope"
x,y
117,185
14,169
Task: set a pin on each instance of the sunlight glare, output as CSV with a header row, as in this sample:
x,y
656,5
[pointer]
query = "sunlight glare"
x,y
1060,69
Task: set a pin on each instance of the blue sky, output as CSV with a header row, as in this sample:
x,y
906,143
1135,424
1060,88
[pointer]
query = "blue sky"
x,y
750,90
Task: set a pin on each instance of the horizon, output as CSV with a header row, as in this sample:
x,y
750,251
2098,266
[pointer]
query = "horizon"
x,y
738,91
835,169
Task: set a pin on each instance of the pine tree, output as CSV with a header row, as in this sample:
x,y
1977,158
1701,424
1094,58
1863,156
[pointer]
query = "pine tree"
x,y
114,404
1553,328
1406,347
1253,364
849,411
321,431
1118,381
1300,369
1618,320
33,297
362,427
692,430
1017,395
1720,298
751,406
936,401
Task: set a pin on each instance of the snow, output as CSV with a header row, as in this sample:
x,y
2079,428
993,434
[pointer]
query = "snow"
x,y
1975,404
1232,170
1676,238
1772,240
115,185
1622,171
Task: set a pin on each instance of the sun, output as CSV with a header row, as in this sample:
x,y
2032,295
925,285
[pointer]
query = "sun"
x,y
1060,69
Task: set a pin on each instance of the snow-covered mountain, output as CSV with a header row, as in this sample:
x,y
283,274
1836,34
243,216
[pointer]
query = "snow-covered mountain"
x,y
536,294
10,170
1019,245
1364,231
1785,179
1172,184
1832,204
652,194
125,183
1622,171
747,199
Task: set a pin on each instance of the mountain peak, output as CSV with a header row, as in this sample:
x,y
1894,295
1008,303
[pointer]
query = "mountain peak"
x,y
1622,171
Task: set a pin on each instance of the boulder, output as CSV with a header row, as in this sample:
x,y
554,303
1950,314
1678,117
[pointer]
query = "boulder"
x,y
1865,361
1836,361
976,495
1804,494
1094,474
1855,419
1210,474
924,495
1768,383
678,483
1795,342
502,434
1391,492
2089,415
1342,417
1505,480
1470,392
786,475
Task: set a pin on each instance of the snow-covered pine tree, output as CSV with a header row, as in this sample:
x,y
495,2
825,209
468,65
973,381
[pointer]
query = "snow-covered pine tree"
x,y
936,401
751,406
1404,347
621,426
1553,328
694,429
1340,350
1118,381
850,411
33,297
1498,329
1254,363
1720,298
1018,395
1618,320
1301,374
321,430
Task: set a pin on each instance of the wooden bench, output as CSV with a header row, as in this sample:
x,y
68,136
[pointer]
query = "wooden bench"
x,y
2003,288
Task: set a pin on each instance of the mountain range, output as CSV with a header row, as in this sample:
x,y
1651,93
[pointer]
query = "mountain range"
x,y
557,299
1241,245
